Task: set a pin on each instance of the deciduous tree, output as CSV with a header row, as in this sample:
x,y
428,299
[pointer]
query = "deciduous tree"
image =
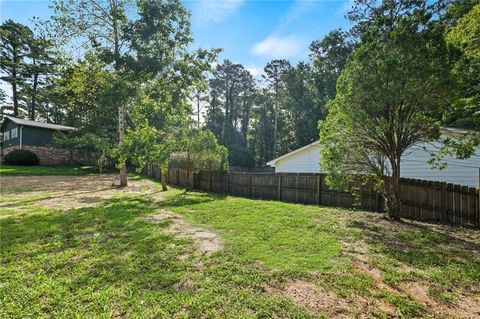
x,y
390,96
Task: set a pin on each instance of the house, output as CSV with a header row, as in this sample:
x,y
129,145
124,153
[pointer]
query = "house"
x,y
34,136
414,163
303,160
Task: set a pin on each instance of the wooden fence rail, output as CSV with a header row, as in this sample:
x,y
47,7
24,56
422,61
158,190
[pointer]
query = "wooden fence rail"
x,y
421,200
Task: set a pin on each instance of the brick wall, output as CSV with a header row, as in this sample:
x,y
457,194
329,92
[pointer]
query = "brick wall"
x,y
47,155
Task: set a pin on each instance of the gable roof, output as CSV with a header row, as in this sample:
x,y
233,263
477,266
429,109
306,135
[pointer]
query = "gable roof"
x,y
275,160
49,126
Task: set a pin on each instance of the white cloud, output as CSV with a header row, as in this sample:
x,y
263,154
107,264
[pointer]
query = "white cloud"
x,y
208,11
277,47
254,71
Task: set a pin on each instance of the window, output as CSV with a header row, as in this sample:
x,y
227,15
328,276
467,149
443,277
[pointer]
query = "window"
x,y
14,132
6,135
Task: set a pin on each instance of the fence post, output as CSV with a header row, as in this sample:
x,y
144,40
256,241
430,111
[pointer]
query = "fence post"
x,y
228,182
457,211
478,206
296,188
443,203
211,180
249,185
464,210
319,189
279,192
430,186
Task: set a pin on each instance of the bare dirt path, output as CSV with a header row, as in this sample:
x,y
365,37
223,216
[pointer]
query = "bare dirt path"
x,y
207,242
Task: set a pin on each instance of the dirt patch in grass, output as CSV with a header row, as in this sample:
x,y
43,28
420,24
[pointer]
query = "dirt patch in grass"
x,y
66,192
374,272
466,307
379,224
356,250
419,265
318,301
207,242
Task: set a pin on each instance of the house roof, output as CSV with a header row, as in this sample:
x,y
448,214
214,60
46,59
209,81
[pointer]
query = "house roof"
x,y
275,160
49,126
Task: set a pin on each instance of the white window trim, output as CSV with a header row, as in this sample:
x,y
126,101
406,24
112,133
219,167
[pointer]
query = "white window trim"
x,y
14,133
6,135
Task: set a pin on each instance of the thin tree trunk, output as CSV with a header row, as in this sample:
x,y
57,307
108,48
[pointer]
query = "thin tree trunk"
x,y
121,115
198,108
394,189
163,180
121,131
276,122
33,106
15,97
16,61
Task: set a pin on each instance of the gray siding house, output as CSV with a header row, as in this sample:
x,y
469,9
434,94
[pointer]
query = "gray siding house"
x,y
35,136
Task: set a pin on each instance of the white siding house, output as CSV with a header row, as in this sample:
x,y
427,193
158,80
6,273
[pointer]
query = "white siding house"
x,y
303,160
414,164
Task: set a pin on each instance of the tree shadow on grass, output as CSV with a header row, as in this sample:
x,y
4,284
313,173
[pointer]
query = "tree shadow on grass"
x,y
108,261
189,198
448,260
96,247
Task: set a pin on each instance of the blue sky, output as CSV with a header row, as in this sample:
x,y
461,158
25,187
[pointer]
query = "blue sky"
x,y
251,32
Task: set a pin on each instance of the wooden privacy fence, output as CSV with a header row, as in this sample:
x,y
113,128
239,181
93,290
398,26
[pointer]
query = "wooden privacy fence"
x,y
421,200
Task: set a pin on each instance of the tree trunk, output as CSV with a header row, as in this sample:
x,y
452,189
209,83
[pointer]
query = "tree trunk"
x,y
33,106
121,132
276,122
163,180
394,189
16,61
198,108
15,98
189,184
121,115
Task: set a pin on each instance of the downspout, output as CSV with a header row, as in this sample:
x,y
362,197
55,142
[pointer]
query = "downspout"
x,y
21,136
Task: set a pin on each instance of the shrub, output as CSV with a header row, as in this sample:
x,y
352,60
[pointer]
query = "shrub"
x,y
21,157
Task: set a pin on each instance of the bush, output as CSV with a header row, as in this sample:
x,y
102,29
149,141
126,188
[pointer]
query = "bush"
x,y
21,157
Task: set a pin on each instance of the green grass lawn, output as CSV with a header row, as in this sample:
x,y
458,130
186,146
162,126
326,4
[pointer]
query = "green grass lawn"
x,y
108,260
14,170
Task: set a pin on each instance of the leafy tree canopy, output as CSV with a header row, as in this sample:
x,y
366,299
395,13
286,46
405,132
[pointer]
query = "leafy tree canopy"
x,y
381,108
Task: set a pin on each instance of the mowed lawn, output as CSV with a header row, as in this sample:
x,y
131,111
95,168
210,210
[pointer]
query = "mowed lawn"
x,y
78,247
